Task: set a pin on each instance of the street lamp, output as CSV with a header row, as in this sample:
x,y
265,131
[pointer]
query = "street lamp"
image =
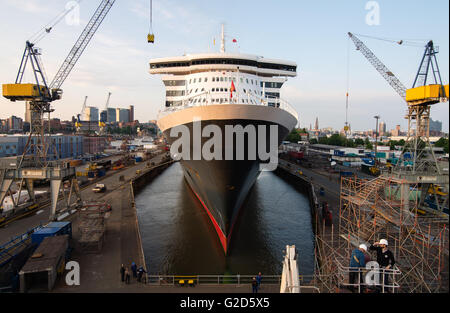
x,y
376,117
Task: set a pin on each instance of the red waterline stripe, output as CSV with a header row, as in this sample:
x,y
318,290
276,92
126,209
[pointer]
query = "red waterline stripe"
x,y
223,239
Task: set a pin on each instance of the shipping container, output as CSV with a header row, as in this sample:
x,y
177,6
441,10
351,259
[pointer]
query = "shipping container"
x,y
52,229
368,161
75,163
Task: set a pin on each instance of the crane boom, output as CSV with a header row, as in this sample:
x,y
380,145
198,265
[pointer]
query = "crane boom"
x,y
84,107
107,101
81,43
379,66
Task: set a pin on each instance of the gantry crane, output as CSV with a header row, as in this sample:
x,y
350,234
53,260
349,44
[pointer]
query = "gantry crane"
x,y
35,162
78,123
417,162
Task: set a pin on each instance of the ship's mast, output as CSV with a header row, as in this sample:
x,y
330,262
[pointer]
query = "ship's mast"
x,y
222,43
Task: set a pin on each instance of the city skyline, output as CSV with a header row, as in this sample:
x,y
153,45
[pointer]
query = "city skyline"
x,y
117,59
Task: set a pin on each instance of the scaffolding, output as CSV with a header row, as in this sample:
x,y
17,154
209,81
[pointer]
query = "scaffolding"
x,y
92,227
386,207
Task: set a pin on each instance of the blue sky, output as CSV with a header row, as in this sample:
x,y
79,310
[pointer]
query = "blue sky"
x,y
311,33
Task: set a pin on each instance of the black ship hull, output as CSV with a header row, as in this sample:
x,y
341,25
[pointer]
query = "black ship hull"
x,y
222,185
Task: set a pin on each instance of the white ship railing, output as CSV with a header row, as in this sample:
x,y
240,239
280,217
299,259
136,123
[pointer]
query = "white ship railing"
x,y
221,98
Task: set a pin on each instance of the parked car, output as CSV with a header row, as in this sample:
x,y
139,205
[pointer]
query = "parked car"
x,y
99,188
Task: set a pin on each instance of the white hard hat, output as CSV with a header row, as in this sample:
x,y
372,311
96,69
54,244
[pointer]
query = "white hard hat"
x,y
383,242
363,246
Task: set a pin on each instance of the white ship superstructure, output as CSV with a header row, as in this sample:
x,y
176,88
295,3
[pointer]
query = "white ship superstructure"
x,y
224,89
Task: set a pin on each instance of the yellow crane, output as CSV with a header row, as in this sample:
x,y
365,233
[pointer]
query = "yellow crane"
x,y
151,36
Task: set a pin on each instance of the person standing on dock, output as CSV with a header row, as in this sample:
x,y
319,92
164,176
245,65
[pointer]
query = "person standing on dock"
x,y
357,263
259,279
141,272
254,285
134,269
385,259
122,273
127,276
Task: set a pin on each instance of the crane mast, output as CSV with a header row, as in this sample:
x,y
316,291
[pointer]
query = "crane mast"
x,y
379,66
417,162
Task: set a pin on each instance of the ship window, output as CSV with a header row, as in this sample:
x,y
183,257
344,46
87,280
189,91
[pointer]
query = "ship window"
x,y
203,89
252,81
217,79
242,80
245,91
221,79
200,80
204,100
246,80
190,80
174,82
226,89
213,79
221,89
195,80
196,90
206,79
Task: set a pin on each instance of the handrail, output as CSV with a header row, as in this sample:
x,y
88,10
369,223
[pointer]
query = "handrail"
x,y
219,279
218,98
344,272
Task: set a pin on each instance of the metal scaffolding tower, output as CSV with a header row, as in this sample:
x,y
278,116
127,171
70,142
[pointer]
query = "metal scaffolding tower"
x,y
386,208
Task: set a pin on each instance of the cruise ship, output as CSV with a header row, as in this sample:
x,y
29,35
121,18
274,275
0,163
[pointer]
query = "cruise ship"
x,y
220,90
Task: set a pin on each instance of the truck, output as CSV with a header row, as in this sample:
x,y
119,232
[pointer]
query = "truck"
x,y
99,188
370,169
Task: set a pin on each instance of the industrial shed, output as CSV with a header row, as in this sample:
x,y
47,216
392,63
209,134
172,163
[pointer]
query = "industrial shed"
x,y
40,271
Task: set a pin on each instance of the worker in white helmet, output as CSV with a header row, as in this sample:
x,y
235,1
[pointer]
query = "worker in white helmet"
x,y
357,264
385,258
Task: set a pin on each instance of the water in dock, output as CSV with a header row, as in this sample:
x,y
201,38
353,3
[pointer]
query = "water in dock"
x,y
179,239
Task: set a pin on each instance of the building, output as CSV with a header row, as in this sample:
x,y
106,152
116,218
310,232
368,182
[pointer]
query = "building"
x,y
131,114
122,115
94,144
90,114
382,128
435,128
67,146
15,124
111,115
396,132
104,116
